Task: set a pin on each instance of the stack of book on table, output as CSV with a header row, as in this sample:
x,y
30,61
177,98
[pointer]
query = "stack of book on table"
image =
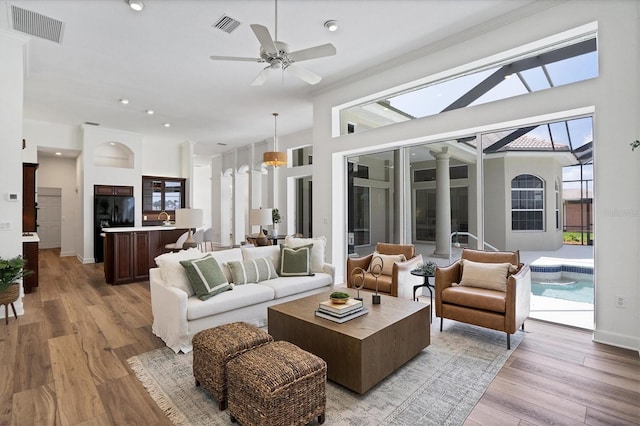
x,y
340,313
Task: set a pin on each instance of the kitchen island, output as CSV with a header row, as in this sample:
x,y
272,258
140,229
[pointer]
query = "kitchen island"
x,y
129,252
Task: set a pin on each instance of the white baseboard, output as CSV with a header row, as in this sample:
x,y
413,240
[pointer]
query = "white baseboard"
x,y
67,253
86,260
616,339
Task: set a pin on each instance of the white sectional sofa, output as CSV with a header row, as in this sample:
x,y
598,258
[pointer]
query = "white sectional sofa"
x,y
177,316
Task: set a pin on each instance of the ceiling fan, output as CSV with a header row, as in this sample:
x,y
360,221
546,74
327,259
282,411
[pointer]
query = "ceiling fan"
x,y
276,54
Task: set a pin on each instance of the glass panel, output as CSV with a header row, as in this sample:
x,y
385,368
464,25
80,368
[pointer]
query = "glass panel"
x,y
438,96
433,99
302,156
581,131
535,79
361,227
152,195
172,195
574,69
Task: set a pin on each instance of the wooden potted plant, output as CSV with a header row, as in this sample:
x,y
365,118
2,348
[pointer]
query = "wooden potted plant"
x,y
11,270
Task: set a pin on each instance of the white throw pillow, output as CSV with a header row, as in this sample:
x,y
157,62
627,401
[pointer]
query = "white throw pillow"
x,y
173,272
317,251
387,261
492,276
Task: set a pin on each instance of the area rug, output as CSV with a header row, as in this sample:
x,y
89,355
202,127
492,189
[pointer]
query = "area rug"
x,y
439,386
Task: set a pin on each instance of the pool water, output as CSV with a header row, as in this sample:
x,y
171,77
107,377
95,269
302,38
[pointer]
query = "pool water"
x,y
576,291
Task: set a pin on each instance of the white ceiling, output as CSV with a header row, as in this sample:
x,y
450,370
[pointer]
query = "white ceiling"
x,y
159,59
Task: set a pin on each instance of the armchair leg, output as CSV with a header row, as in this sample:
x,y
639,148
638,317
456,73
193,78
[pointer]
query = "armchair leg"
x,y
441,319
508,341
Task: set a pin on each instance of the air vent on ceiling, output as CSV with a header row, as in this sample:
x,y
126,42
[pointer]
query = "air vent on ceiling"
x,y
226,24
37,25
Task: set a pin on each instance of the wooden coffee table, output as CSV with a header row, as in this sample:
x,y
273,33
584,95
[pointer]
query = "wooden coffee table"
x,y
360,352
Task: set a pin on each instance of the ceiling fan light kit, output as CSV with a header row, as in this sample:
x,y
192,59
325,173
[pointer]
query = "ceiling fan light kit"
x,y
276,54
136,5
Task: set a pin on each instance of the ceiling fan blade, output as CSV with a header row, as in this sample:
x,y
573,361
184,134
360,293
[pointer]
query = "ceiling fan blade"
x,y
304,74
265,39
235,58
262,77
313,52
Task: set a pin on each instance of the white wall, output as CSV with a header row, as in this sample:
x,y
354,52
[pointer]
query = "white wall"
x,y
11,101
202,193
93,137
614,96
61,173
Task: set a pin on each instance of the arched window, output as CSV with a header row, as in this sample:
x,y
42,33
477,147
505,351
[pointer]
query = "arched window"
x,y
527,203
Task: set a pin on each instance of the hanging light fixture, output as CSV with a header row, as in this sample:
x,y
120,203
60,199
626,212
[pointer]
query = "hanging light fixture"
x,y
275,158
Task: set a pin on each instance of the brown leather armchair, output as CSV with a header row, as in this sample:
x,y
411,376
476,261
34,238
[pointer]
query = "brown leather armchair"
x,y
400,283
495,309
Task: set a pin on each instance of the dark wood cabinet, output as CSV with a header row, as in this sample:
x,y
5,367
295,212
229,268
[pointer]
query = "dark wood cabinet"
x,y
30,253
124,191
29,208
128,256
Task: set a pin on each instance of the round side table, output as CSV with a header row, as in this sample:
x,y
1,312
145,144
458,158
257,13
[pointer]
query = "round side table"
x,y
426,284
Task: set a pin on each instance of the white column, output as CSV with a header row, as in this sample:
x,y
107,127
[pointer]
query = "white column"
x,y
443,204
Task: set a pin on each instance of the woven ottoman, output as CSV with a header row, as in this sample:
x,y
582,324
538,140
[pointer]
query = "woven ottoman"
x,y
277,384
215,347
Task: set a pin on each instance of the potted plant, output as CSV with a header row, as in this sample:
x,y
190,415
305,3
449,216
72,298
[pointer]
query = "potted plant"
x,y
11,270
275,215
427,268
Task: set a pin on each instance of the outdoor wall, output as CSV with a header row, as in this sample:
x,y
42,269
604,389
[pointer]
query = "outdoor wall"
x,y
549,170
495,218
613,96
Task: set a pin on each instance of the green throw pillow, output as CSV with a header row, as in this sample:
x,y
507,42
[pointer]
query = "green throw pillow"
x,y
206,277
295,261
252,270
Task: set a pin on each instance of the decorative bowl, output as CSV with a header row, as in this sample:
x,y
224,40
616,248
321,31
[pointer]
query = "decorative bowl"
x,y
339,297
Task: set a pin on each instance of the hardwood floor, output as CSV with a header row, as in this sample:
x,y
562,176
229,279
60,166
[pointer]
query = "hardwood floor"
x,y
64,362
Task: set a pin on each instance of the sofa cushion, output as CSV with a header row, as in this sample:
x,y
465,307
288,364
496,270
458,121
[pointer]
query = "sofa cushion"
x,y
206,277
492,276
317,251
272,252
477,298
172,271
224,257
241,296
286,286
387,261
252,270
295,261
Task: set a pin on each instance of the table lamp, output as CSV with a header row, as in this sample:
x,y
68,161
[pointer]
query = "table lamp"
x,y
189,218
261,217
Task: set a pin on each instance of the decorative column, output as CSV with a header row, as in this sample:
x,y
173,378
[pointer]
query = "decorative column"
x,y
443,204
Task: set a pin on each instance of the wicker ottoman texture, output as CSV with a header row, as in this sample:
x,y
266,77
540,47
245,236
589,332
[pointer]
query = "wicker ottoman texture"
x,y
277,384
215,347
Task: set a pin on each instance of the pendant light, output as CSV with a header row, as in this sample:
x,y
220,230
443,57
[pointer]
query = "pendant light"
x,y
275,158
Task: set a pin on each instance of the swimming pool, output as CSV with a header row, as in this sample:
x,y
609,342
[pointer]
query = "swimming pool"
x,y
576,291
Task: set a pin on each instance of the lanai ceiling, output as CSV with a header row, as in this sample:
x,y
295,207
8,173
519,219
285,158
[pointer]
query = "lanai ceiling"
x,y
159,59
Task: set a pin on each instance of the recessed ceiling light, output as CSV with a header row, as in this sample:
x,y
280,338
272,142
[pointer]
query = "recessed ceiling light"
x,y
167,124
136,5
112,143
149,111
331,25
58,153
124,101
